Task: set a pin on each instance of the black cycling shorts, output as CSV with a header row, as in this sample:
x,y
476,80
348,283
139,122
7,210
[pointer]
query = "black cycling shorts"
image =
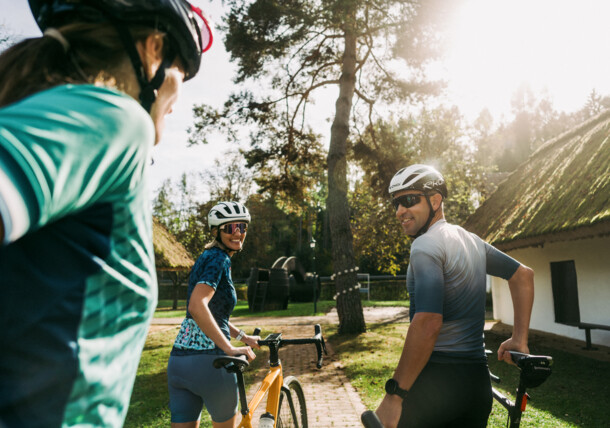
x,y
448,395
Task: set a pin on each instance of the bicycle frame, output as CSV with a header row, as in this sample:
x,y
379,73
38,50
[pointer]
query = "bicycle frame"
x,y
272,383
516,408
534,370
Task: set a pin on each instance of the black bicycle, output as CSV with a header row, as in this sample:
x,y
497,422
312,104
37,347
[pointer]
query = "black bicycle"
x,y
534,370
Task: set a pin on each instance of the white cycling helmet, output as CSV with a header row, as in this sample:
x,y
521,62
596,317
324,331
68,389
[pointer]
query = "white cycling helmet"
x,y
423,178
228,212
418,177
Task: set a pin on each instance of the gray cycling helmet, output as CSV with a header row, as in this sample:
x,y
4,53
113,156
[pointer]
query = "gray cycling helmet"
x,y
423,178
187,28
228,212
418,177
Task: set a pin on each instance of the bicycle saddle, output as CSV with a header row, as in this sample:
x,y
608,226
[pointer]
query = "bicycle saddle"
x,y
232,364
535,369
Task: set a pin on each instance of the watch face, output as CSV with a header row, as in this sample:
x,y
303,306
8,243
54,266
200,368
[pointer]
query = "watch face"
x,y
390,386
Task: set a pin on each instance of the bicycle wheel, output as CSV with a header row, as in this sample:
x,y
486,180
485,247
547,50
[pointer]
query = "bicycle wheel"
x,y
292,411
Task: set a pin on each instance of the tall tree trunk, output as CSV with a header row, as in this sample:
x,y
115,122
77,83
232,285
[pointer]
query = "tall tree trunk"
x,y
349,307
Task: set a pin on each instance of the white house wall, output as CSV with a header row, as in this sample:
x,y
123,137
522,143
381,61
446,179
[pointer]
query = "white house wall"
x,y
592,261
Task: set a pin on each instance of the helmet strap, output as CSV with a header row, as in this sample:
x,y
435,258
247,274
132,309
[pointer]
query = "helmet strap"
x,y
425,227
148,89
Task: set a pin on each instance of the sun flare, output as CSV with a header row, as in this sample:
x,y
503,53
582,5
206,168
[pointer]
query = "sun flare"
x,y
495,46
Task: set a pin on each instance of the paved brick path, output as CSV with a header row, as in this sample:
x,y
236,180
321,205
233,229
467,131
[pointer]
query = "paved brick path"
x,y
331,400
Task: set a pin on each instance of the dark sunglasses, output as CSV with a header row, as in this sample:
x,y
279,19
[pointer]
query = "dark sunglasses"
x,y
230,228
407,201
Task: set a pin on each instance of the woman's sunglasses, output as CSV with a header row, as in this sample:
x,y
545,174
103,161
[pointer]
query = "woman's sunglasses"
x,y
407,201
230,228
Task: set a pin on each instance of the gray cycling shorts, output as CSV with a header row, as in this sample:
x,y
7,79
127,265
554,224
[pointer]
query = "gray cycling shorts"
x,y
194,382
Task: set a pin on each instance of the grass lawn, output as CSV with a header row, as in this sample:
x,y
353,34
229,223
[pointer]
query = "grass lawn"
x,y
574,396
294,309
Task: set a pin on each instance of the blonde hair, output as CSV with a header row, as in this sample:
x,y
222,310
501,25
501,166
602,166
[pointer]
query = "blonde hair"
x,y
95,55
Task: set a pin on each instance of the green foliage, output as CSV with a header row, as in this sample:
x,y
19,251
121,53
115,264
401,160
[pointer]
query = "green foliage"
x,y
378,239
295,48
288,160
433,137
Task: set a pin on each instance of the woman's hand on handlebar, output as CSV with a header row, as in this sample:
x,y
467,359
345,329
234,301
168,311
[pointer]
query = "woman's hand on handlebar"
x,y
241,350
251,341
511,345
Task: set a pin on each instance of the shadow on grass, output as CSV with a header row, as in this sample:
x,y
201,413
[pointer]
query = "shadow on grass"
x,y
575,395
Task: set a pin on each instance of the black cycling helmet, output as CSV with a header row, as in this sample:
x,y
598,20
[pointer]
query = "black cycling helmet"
x,y
188,30
423,178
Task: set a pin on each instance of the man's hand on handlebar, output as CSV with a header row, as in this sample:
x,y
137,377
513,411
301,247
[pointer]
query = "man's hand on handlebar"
x,y
389,411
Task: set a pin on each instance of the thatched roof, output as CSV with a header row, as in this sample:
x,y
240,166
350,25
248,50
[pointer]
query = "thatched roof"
x,y
561,192
169,253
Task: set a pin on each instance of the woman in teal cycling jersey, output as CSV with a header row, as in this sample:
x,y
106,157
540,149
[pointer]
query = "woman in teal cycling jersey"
x,y
80,109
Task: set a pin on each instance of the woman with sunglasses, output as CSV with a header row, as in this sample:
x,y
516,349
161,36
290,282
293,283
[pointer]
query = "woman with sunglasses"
x,y
206,331
81,108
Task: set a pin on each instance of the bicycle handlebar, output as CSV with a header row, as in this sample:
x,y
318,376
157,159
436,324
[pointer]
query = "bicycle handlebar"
x,y
274,341
370,419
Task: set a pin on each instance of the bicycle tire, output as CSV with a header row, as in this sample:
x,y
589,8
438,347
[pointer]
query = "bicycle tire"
x,y
292,412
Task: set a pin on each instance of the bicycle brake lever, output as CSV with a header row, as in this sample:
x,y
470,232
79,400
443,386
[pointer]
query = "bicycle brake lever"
x,y
320,357
318,332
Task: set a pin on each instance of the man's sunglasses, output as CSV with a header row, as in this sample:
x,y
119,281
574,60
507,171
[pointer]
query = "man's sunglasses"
x,y
230,228
407,201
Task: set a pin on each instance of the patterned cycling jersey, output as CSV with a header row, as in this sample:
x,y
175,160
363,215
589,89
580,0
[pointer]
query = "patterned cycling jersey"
x,y
213,268
77,275
447,275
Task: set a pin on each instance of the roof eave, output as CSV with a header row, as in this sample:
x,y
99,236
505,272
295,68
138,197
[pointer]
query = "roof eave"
x,y
583,232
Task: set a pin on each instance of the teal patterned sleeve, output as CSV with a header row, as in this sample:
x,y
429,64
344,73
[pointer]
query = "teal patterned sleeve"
x,y
82,150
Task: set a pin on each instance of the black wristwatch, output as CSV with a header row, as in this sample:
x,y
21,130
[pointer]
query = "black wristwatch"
x,y
391,387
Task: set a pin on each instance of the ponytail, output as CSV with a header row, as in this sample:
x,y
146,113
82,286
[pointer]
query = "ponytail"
x,y
94,54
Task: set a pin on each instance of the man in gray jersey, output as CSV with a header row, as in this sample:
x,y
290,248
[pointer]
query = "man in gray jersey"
x,y
442,379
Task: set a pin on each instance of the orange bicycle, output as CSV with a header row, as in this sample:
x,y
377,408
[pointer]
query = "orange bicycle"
x,y
286,401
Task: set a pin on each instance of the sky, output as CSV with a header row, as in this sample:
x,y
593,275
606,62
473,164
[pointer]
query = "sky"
x,y
556,46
